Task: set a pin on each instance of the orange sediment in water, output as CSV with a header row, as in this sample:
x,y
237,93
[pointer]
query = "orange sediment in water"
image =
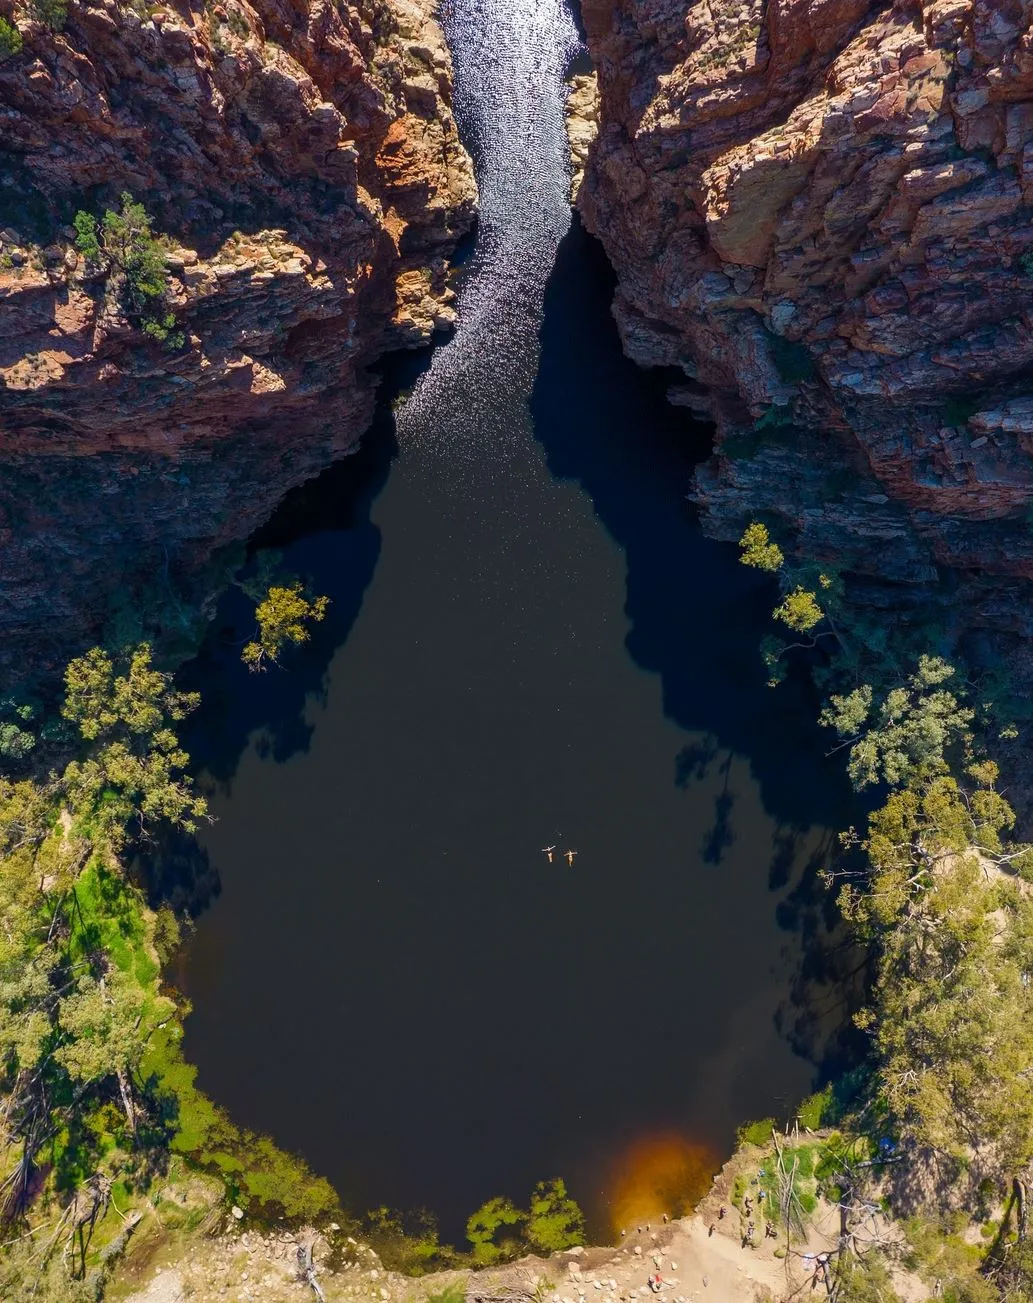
x,y
658,1174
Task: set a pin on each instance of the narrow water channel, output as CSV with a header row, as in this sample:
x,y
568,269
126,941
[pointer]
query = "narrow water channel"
x,y
529,644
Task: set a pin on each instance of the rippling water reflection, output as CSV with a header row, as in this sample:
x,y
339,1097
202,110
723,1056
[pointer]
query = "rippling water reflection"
x,y
510,60
528,643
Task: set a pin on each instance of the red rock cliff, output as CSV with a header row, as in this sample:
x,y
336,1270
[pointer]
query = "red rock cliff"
x,y
302,161
820,210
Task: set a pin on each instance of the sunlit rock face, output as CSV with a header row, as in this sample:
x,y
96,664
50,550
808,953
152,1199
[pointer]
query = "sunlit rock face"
x,y
820,210
304,163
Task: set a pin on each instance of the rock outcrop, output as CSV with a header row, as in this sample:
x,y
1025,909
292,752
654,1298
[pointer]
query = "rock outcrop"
x,y
581,112
821,211
302,166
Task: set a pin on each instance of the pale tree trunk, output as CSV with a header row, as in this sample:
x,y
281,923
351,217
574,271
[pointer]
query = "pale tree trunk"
x,y
127,1099
307,1270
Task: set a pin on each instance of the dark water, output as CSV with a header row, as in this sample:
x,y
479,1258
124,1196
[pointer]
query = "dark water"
x,y
529,644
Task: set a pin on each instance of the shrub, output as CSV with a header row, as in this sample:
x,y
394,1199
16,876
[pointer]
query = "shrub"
x,y
555,1221
756,1133
454,1293
86,240
52,13
162,330
238,24
483,1227
10,40
125,242
130,246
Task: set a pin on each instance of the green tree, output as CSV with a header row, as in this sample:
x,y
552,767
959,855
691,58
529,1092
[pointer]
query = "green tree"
x,y
129,244
133,771
483,1227
951,1014
758,551
952,1020
283,617
87,240
555,1221
16,742
800,611
909,733
864,1280
10,40
125,243
26,967
104,1030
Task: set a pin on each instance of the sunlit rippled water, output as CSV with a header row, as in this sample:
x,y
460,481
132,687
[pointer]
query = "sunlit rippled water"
x,y
510,61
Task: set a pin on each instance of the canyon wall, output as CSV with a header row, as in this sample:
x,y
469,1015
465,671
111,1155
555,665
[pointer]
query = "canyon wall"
x,y
820,212
300,162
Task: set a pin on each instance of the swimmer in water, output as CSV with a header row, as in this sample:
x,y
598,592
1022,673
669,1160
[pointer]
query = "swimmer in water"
x,y
548,850
570,857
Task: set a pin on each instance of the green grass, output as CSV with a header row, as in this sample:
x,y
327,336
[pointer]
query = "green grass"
x,y
815,1108
756,1133
805,1160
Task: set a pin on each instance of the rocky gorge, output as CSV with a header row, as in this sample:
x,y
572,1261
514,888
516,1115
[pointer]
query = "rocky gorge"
x,y
819,211
301,166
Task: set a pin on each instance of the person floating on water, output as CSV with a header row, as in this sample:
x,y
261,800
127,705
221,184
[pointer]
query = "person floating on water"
x,y
548,850
570,857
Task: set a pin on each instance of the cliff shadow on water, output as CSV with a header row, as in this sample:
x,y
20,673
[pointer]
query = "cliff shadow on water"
x,y
323,534
344,779
697,617
530,649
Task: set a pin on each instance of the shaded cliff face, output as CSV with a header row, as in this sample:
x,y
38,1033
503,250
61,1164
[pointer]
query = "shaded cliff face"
x,y
822,211
303,162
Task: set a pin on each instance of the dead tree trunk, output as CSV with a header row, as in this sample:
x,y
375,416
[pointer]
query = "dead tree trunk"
x,y
307,1270
126,1091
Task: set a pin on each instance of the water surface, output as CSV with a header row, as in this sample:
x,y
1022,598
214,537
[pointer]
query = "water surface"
x,y
529,644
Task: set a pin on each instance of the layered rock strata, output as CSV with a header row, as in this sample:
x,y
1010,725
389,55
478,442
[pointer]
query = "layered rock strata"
x,y
820,211
302,166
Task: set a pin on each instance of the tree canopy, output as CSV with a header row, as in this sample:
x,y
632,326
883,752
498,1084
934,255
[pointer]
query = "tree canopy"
x,y
125,244
132,773
283,617
909,732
